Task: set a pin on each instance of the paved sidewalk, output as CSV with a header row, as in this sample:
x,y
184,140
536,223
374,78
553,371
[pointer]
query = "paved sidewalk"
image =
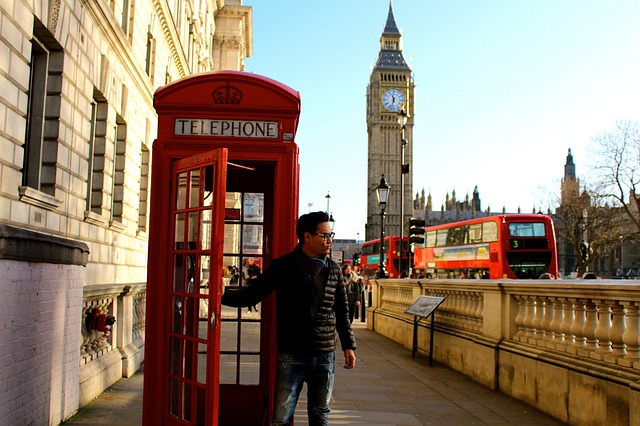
x,y
387,387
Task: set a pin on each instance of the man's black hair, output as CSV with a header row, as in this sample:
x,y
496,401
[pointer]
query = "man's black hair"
x,y
309,223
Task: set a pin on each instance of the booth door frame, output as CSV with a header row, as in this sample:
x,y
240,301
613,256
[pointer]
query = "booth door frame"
x,y
246,176
191,395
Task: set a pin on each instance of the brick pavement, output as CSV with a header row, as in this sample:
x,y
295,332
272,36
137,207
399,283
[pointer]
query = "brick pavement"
x,y
387,387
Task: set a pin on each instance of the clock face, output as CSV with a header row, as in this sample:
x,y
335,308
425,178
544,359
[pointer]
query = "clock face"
x,y
393,99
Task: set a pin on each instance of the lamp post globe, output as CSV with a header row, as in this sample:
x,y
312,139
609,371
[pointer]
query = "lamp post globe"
x,y
402,117
382,191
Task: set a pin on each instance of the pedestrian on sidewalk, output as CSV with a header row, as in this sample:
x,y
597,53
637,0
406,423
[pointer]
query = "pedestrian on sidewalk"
x,y
353,285
311,306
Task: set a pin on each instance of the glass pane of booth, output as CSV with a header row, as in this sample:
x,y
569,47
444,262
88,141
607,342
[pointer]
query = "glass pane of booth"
x,y
228,369
232,238
252,267
181,196
192,230
252,239
205,230
207,181
231,274
250,341
178,272
179,231
253,207
250,369
194,187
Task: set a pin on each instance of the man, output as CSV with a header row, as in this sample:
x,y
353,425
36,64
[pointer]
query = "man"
x,y
311,305
353,285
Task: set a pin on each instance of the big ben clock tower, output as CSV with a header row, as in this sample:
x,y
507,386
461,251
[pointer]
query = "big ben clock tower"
x,y
390,89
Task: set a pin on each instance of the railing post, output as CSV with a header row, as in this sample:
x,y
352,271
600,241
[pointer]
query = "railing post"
x,y
631,336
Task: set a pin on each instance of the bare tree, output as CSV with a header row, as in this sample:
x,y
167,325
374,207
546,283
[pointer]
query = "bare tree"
x,y
587,223
616,155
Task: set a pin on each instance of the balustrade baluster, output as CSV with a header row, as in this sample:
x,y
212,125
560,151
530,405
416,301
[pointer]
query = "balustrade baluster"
x,y
631,336
537,322
568,318
457,309
589,329
519,319
450,311
557,336
529,319
602,330
468,311
479,314
546,322
618,348
85,347
580,314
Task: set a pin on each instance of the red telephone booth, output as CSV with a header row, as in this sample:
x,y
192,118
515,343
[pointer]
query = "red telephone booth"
x,y
224,201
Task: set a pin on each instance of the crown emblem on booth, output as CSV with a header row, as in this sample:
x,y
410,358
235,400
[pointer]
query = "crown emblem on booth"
x,y
227,95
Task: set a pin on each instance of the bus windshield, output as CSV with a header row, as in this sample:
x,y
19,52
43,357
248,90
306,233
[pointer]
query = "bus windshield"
x,y
526,229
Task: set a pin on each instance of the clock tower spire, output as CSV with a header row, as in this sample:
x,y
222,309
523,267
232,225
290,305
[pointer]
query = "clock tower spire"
x,y
391,89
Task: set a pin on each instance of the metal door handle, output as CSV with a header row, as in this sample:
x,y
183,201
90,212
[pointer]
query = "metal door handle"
x,y
213,319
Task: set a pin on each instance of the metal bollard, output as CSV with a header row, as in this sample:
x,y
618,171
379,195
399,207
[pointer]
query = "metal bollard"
x,y
363,306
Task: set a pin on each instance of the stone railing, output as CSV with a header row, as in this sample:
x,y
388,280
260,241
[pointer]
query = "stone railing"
x,y
108,353
569,348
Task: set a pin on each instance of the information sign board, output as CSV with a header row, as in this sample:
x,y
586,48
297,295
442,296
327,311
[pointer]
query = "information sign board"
x,y
424,306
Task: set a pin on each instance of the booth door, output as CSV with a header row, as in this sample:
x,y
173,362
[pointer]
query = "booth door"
x,y
193,332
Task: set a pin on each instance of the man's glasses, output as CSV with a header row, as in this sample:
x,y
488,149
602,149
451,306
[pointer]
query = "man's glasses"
x,y
326,235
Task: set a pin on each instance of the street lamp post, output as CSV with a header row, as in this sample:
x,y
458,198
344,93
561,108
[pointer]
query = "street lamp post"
x,y
402,118
382,191
328,197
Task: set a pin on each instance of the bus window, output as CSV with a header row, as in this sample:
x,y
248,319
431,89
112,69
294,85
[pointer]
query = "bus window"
x,y
526,229
373,248
489,232
441,239
475,233
430,239
457,236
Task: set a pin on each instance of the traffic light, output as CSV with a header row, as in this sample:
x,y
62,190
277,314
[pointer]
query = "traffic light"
x,y
416,231
356,258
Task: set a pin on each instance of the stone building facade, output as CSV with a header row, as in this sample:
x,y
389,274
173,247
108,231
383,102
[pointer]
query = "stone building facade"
x,y
76,128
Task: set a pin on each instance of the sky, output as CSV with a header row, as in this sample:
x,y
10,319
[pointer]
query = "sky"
x,y
503,90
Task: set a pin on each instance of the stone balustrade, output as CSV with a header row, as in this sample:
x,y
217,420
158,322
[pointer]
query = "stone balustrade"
x,y
108,355
570,348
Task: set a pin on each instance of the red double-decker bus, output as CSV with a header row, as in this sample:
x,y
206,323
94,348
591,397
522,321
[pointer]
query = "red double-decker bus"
x,y
517,246
370,256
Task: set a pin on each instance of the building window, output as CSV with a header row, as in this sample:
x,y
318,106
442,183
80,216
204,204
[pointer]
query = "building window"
x,y
117,204
150,60
143,204
45,85
97,153
123,11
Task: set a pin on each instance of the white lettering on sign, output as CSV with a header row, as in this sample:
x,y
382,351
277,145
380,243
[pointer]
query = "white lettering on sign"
x,y
232,128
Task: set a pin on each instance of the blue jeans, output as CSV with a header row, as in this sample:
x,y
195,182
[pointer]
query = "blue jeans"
x,y
293,370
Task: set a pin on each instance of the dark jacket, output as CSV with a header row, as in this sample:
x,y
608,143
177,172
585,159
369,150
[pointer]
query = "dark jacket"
x,y
353,285
311,303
